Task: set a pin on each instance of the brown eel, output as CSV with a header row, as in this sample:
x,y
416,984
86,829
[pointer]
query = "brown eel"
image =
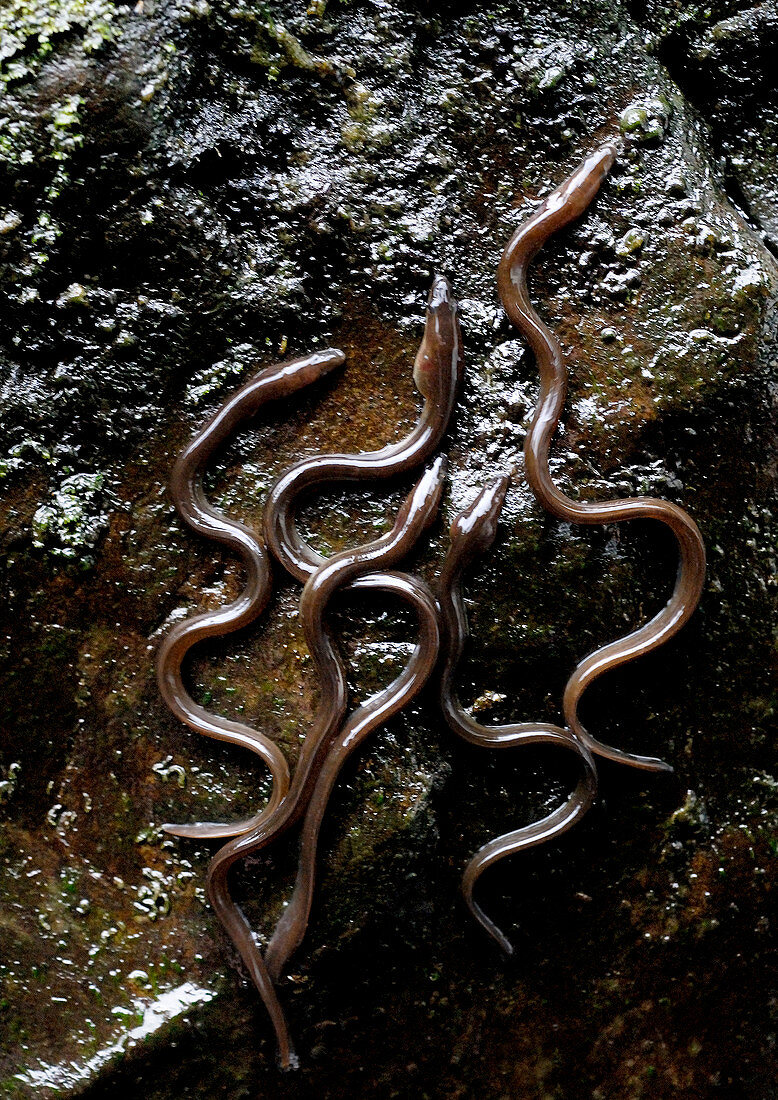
x,y
292,926
562,206
472,533
417,513
438,374
438,369
290,930
277,381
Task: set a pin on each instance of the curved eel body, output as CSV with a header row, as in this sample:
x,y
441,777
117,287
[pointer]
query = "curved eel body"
x,y
438,373
290,930
562,206
277,381
472,533
418,512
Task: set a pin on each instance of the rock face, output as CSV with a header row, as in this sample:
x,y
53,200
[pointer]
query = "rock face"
x,y
192,190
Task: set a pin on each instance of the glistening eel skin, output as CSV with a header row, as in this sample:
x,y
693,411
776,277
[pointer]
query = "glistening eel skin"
x,y
472,533
414,592
277,381
562,206
438,373
416,515
290,930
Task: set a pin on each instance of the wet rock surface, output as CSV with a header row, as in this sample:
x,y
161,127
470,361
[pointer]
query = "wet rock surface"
x,y
192,190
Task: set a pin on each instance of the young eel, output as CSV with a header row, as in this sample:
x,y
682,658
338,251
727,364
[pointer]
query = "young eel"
x,y
438,373
290,930
562,206
340,570
472,533
277,381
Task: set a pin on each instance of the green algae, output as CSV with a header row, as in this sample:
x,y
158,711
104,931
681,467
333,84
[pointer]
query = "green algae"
x,y
31,33
272,46
32,30
69,527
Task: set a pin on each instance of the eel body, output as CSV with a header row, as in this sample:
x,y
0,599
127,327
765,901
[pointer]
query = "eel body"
x,y
561,207
437,372
290,930
278,381
472,533
417,513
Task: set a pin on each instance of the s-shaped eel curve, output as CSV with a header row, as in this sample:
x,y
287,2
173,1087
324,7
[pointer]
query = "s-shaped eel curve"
x,y
437,372
472,533
562,206
279,380
290,930
417,513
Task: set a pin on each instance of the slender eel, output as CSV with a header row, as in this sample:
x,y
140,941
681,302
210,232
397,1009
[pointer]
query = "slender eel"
x,y
562,206
437,373
277,381
472,533
416,515
290,930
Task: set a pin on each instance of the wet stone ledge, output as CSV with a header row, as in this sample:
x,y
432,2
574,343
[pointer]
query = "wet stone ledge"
x,y
193,189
